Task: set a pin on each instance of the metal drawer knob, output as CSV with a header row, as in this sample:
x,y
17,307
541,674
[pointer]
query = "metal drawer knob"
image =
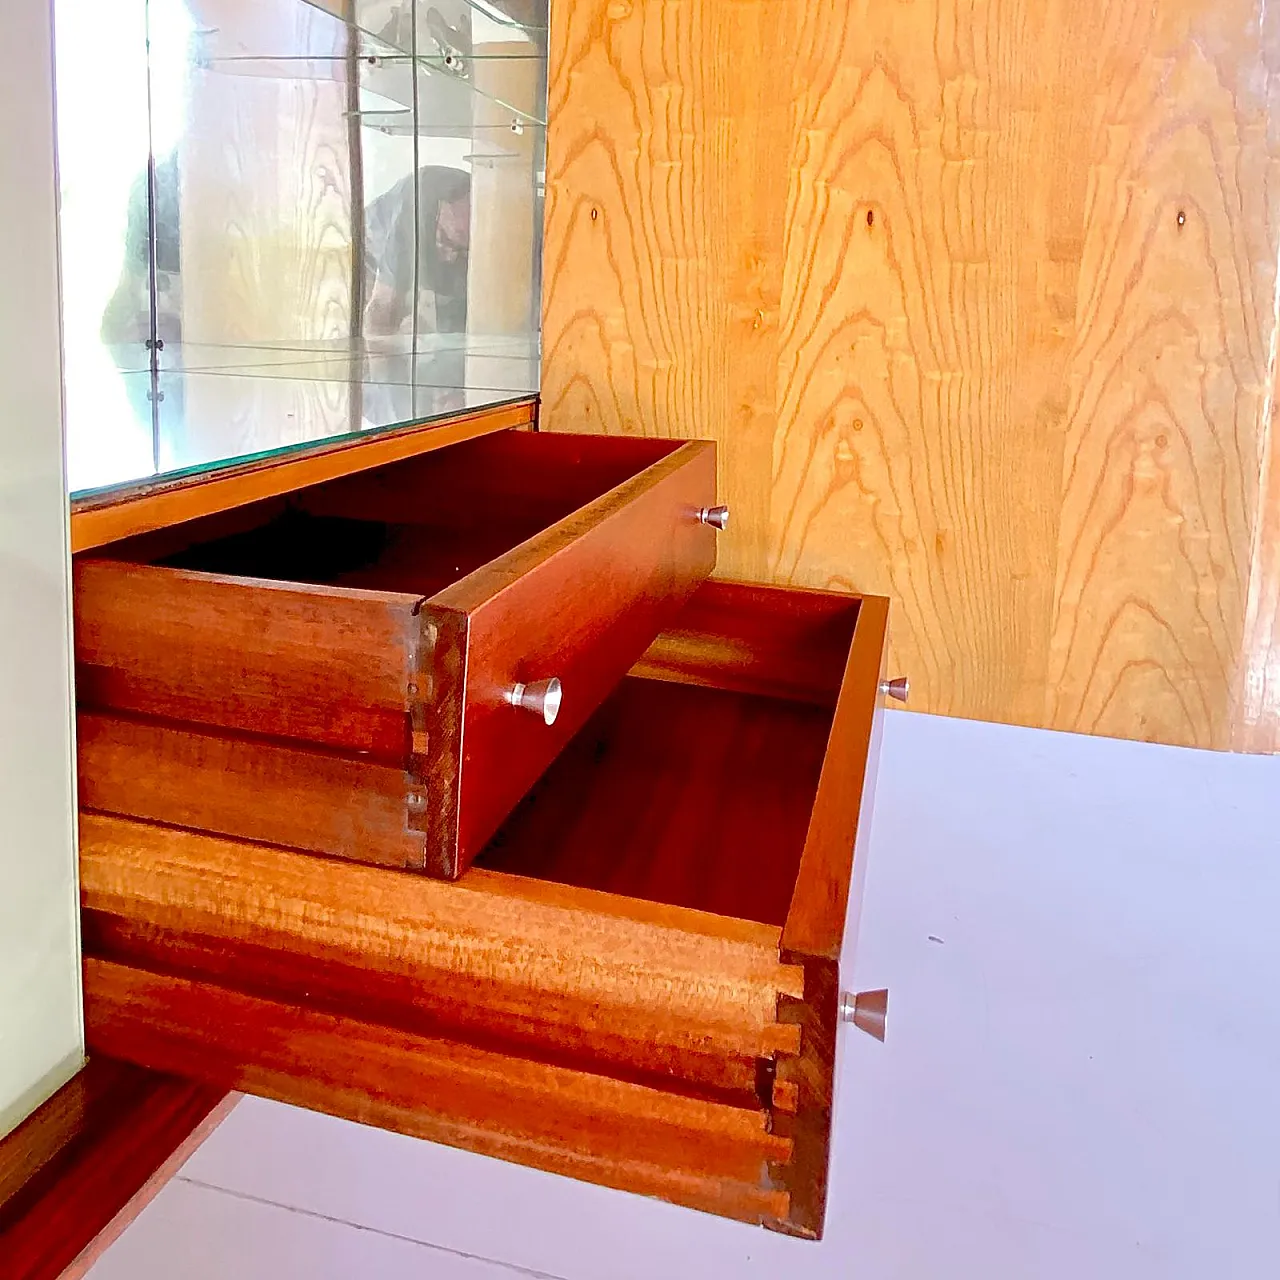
x,y
868,1010
542,697
716,517
899,687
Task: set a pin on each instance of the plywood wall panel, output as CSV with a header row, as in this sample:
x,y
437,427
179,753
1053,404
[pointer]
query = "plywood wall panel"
x,y
980,301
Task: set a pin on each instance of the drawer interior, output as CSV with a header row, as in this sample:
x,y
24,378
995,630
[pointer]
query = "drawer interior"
x,y
416,526
637,984
695,783
676,793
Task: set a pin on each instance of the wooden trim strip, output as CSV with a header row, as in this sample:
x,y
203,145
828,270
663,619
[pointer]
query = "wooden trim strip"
x,y
77,1162
145,1194
98,519
819,924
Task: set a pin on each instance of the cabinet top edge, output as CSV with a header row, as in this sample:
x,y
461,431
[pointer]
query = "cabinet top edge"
x,y
107,516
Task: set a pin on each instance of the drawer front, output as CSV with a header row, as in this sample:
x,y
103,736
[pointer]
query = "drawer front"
x,y
609,993
579,606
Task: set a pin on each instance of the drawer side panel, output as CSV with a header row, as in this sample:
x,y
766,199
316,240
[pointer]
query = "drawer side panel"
x,y
320,664
589,967
260,790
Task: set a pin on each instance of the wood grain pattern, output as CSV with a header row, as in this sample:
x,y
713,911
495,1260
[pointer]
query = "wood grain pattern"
x,y
83,1157
317,801
520,950
980,301
1256,722
821,929
596,997
677,793
99,519
703,1154
781,642
322,664
339,685
580,602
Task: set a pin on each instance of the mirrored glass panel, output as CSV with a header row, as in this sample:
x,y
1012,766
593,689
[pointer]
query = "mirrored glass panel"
x,y
289,192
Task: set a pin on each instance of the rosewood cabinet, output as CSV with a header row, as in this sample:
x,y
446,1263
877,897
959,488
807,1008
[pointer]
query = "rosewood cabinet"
x,y
335,852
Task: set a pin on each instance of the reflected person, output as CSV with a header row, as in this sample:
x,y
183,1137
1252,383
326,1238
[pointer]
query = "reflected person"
x,y
401,254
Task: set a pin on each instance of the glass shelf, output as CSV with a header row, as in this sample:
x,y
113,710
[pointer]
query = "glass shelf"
x,y
448,82
293,221
399,22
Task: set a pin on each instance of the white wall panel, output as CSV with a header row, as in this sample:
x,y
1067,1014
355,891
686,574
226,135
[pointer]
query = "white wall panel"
x,y
40,1011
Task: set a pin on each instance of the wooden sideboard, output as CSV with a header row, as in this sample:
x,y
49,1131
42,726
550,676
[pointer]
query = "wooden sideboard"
x,y
606,939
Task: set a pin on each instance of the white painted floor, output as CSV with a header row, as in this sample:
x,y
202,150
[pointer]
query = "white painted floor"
x,y
1081,1080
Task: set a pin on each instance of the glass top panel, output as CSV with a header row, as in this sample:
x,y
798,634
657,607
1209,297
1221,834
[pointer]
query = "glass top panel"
x,y
231,407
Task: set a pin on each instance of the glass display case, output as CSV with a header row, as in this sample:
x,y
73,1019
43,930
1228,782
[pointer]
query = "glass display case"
x,y
286,221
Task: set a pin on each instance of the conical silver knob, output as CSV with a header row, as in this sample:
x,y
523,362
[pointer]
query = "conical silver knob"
x,y
542,698
899,687
868,1010
716,517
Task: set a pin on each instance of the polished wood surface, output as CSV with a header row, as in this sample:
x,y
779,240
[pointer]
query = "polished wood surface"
x,y
610,993
673,793
89,1154
520,481
704,1154
307,662
980,302
344,676
579,603
780,642
99,519
315,800
823,918
818,911
502,955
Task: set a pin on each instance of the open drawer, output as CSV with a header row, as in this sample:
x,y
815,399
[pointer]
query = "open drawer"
x,y
378,667
638,982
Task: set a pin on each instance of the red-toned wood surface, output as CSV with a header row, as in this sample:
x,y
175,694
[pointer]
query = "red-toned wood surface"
x,y
312,662
547,970
779,641
262,789
815,923
82,1158
517,478
581,605
822,920
392,645
688,1150
679,794
600,963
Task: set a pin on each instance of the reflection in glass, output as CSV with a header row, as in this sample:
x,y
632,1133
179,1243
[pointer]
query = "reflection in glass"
x,y
289,191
